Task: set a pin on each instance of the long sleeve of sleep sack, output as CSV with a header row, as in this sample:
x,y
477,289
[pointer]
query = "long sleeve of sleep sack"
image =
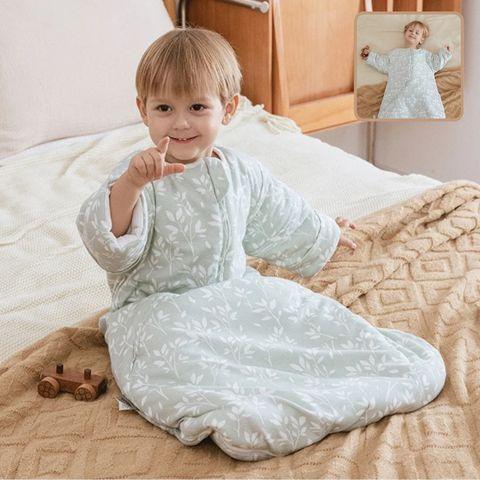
x,y
94,223
379,61
437,61
284,229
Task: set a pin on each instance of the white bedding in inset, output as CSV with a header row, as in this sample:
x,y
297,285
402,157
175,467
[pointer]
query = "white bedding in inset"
x,y
48,280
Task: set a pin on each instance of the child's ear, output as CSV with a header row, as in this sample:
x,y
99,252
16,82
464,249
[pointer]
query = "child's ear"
x,y
231,108
142,110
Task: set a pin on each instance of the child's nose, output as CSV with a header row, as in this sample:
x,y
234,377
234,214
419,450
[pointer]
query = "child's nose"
x,y
180,121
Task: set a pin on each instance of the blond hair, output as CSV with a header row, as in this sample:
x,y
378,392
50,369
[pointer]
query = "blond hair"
x,y
189,61
425,31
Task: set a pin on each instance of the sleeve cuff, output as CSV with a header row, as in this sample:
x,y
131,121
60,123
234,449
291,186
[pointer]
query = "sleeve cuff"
x,y
136,226
323,248
136,229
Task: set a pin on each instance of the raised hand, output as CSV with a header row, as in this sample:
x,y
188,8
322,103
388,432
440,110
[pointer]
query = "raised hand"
x,y
448,47
342,223
150,165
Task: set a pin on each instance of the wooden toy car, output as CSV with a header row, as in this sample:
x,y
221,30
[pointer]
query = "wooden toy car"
x,y
83,386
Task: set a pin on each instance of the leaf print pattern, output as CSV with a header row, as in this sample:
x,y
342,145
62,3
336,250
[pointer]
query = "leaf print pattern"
x,y
203,345
411,90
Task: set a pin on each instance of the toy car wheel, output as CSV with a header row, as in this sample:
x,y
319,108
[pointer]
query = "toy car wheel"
x,y
48,387
85,392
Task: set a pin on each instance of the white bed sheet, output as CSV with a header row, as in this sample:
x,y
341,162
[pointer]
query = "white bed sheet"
x,y
48,279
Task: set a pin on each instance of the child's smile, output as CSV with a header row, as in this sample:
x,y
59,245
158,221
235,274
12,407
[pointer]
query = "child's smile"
x,y
183,140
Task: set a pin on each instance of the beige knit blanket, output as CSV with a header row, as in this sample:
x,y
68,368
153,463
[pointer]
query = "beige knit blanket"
x,y
449,84
416,269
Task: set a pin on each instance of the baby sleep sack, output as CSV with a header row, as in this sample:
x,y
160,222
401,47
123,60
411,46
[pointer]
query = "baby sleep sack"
x,y
201,344
411,90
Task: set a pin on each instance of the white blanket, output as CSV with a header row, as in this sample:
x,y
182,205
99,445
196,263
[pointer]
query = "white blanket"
x,y
48,280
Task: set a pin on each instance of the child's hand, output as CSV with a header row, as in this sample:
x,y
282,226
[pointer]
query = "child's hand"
x,y
150,165
365,51
343,222
448,47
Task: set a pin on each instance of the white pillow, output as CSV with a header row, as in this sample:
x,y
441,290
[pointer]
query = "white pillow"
x,y
67,68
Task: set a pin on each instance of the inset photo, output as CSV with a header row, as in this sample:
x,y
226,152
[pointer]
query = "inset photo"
x,y
408,65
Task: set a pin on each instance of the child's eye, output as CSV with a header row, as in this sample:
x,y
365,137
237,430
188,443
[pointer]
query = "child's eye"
x,y
198,105
160,107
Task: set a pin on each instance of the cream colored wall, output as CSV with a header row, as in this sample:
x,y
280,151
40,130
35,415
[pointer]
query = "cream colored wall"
x,y
351,138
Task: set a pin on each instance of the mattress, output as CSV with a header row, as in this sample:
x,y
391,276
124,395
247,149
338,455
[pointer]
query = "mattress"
x,y
49,280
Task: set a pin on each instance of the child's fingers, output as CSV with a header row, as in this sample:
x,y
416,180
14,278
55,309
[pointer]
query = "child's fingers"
x,y
347,243
170,168
163,145
341,221
152,161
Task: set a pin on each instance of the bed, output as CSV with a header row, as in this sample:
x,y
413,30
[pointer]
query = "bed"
x,y
416,269
42,246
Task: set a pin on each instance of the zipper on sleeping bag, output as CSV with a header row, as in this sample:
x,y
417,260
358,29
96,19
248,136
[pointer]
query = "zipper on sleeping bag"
x,y
125,404
226,239
222,205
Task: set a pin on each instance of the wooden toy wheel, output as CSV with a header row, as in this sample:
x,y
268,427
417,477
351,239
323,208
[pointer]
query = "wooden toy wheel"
x,y
85,392
48,387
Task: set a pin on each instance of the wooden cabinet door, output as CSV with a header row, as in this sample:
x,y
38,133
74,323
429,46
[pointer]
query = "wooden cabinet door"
x,y
250,34
297,59
315,40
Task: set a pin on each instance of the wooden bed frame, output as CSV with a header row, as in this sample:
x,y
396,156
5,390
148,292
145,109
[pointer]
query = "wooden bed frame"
x,y
171,6
313,86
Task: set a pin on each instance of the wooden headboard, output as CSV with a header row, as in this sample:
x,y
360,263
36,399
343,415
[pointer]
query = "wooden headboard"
x,y
171,6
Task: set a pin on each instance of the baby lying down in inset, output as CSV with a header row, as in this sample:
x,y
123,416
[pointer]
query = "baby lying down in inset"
x,y
411,90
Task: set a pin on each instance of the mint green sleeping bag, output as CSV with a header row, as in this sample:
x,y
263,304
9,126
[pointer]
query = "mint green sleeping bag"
x,y
203,345
411,90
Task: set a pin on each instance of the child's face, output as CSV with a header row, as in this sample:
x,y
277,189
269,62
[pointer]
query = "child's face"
x,y
413,35
196,118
